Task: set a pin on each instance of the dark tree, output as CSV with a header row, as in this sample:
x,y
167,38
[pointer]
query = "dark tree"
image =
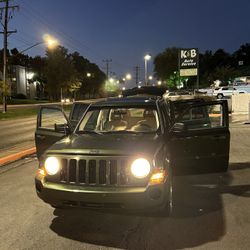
x,y
166,63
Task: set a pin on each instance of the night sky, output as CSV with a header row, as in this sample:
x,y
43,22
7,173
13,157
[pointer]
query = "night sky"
x,y
124,30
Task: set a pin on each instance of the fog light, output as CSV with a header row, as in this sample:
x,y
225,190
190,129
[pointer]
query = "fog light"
x,y
155,193
52,165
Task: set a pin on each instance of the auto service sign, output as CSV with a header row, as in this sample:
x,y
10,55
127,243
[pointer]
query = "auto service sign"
x,y
188,62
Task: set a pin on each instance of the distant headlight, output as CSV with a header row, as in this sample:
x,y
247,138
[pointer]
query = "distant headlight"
x,y
140,168
52,165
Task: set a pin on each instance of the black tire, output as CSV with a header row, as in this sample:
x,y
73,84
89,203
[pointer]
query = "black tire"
x,y
167,208
58,206
169,205
220,96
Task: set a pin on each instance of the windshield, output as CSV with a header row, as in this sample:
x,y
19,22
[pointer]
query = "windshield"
x,y
104,120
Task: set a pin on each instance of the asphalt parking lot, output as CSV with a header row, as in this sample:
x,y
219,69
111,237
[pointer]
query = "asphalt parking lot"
x,y
210,212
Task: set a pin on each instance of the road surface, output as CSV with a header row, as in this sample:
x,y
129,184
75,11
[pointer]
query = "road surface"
x,y
18,134
210,212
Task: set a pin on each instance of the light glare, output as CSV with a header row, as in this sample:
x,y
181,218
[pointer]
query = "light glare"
x,y
50,41
128,77
140,168
52,165
147,57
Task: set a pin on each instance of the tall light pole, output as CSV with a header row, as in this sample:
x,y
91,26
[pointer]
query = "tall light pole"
x,y
6,32
147,57
47,39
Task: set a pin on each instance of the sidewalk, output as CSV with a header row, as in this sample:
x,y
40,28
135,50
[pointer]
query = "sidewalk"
x,y
239,118
17,152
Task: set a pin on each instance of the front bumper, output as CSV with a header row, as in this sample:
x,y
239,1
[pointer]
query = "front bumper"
x,y
59,194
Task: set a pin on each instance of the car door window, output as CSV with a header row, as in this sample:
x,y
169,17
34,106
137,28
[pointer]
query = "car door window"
x,y
203,117
78,111
50,117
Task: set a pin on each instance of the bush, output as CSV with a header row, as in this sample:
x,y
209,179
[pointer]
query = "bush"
x,y
20,96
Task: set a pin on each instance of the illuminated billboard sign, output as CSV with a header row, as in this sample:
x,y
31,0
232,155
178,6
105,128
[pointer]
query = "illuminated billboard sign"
x,y
188,62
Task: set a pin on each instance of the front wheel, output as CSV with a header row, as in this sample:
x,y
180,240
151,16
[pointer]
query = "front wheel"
x,y
57,206
167,208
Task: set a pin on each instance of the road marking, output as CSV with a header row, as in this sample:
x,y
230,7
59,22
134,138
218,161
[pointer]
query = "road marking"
x,y
17,156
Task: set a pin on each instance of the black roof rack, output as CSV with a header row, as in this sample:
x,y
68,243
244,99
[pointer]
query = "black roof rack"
x,y
144,91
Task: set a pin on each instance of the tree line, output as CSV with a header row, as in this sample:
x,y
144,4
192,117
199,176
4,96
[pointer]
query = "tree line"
x,y
218,65
60,72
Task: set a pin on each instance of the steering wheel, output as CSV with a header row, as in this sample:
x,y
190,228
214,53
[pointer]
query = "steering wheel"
x,y
142,123
145,125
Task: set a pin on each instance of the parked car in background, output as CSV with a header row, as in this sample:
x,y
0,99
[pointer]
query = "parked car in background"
x,y
227,91
181,94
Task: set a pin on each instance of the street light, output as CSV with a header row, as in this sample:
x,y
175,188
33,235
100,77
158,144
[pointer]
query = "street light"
x,y
147,57
47,39
50,41
128,76
51,44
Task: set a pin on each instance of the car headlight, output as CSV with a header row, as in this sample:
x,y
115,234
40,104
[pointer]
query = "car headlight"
x,y
140,168
52,165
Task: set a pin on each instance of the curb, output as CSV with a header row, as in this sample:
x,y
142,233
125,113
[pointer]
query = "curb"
x,y
17,156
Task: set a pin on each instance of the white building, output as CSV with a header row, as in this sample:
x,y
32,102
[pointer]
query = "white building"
x,y
21,82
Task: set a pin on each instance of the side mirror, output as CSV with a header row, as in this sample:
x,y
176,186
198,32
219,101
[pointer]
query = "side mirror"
x,y
178,127
62,128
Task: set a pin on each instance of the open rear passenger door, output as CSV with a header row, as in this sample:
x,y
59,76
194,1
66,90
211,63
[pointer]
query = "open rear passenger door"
x,y
52,125
200,138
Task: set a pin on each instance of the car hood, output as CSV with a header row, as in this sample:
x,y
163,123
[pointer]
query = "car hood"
x,y
110,144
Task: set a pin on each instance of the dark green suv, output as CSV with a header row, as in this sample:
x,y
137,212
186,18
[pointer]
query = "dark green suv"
x,y
124,152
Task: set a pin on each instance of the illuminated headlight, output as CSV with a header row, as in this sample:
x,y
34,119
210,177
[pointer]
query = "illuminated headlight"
x,y
52,165
140,168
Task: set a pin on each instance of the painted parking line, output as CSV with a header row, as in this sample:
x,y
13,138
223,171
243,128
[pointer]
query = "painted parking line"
x,y
17,156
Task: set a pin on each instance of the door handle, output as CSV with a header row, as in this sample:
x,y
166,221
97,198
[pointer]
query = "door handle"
x,y
219,137
42,137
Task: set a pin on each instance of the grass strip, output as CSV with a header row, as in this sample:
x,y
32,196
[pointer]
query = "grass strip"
x,y
26,112
18,113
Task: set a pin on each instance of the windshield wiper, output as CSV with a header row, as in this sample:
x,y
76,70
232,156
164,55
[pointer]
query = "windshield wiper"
x,y
122,132
89,132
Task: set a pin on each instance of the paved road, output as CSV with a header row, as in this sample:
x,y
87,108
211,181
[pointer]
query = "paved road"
x,y
211,212
22,106
16,134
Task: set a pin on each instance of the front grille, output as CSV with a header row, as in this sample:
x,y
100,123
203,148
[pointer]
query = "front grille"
x,y
97,172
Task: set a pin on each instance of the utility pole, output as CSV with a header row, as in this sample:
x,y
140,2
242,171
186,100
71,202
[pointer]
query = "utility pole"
x,y
5,33
107,61
137,75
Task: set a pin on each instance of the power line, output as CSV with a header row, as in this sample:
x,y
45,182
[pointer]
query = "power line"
x,y
40,18
107,61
